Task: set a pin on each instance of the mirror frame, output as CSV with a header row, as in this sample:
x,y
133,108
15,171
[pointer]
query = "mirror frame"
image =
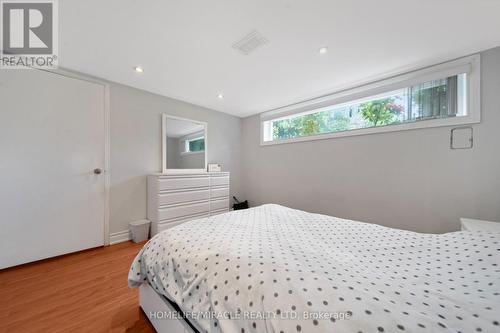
x,y
164,167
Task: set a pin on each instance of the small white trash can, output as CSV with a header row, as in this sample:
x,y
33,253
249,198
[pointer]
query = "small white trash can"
x,y
140,230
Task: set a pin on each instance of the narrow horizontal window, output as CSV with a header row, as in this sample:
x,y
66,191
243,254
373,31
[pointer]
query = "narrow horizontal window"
x,y
194,145
414,102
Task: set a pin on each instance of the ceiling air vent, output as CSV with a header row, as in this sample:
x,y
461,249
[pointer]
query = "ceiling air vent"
x,y
250,42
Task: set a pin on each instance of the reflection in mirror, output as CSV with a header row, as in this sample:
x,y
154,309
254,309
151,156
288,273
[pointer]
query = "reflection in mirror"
x,y
185,143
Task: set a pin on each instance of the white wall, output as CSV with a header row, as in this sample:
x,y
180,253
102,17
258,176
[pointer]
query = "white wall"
x,y
136,147
192,161
173,153
410,180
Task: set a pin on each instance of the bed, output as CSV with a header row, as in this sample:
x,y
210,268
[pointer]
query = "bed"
x,y
276,269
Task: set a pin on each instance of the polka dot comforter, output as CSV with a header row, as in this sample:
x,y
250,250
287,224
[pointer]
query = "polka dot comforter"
x,y
276,269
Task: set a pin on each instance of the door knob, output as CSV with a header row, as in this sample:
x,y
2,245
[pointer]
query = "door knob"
x,y
97,171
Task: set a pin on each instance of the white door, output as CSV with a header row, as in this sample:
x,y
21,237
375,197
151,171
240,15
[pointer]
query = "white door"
x,y
52,137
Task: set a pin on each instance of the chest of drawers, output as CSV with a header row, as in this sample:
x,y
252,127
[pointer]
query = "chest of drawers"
x,y
178,198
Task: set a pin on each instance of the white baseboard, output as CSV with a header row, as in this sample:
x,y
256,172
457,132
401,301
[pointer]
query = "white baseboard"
x,y
118,237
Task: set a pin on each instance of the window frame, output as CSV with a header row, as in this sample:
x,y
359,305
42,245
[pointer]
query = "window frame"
x,y
470,65
186,145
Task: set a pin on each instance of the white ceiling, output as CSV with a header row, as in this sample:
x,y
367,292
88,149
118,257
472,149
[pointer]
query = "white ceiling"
x,y
185,48
177,128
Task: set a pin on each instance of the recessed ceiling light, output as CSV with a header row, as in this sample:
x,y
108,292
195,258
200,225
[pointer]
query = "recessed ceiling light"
x,y
323,50
220,96
139,69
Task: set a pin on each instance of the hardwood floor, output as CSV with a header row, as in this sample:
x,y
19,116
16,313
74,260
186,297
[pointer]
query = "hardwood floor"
x,y
82,292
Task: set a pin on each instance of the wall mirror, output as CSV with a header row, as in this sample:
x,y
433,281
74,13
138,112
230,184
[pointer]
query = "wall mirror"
x,y
184,145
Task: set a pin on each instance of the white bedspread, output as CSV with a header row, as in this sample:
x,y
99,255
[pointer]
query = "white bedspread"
x,y
275,269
